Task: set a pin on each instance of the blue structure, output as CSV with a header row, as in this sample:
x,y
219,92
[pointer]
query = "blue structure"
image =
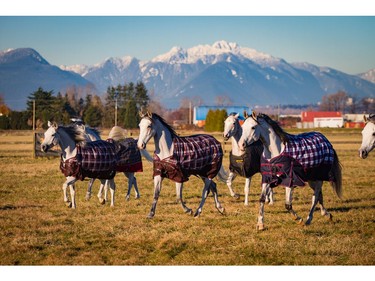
x,y
200,112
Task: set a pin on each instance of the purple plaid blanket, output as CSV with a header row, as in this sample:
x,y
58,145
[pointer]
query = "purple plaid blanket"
x,y
199,155
310,149
129,159
307,156
96,159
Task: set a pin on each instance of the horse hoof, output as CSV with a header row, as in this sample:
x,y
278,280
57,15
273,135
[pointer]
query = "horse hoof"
x,y
150,216
127,198
189,212
88,196
330,217
299,220
102,201
260,227
270,203
137,197
221,210
236,196
197,214
68,204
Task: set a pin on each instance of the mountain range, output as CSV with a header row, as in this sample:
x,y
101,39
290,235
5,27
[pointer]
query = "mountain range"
x,y
204,72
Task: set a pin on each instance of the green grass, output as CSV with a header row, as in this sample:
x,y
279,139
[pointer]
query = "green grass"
x,y
36,227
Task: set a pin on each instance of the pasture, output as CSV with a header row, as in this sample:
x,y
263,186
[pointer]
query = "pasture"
x,y
36,228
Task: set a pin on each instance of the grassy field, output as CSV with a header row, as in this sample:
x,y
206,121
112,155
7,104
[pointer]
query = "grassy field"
x,y
36,227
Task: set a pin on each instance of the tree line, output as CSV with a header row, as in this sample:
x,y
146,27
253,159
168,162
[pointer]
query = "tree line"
x,y
129,99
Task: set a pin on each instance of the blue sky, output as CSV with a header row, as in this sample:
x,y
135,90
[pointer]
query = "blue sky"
x,y
346,43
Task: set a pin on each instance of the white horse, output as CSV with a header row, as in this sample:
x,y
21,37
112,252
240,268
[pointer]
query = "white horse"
x,y
286,163
202,153
118,135
244,163
68,138
368,136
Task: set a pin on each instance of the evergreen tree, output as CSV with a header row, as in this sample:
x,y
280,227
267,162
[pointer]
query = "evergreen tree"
x,y
44,110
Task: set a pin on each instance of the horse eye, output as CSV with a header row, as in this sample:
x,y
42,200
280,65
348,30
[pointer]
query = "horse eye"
x,y
253,128
373,134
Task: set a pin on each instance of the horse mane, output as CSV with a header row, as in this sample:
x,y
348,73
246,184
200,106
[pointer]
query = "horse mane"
x,y
371,118
169,127
284,136
76,133
117,133
95,131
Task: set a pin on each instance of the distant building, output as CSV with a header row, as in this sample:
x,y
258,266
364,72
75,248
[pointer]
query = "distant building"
x,y
354,121
200,112
321,119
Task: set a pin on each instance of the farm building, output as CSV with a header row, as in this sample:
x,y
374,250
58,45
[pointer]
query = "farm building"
x,y
354,121
200,112
321,119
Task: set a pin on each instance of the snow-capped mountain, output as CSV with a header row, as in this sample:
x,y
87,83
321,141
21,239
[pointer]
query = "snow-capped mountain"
x,y
204,72
23,71
369,75
243,74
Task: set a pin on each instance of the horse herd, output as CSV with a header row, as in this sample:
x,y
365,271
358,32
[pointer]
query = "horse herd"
x,y
259,145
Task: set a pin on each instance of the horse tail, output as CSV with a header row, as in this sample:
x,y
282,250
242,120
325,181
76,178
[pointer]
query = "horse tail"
x,y
146,155
223,175
337,176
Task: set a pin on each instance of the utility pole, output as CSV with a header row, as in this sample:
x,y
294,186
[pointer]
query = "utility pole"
x,y
116,95
34,135
190,113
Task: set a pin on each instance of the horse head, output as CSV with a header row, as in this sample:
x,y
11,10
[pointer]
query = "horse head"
x,y
250,131
231,125
368,137
50,137
146,129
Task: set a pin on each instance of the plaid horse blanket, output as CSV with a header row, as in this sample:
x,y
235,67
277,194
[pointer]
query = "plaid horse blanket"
x,y
247,164
307,156
199,155
129,159
96,159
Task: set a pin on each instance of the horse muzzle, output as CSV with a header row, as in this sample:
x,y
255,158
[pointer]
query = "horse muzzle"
x,y
363,153
44,147
141,145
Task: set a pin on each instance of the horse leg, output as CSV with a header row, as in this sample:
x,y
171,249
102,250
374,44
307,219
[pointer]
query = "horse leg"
x,y
89,189
69,181
317,187
216,198
247,190
112,187
65,193
178,192
73,195
230,179
157,188
100,193
206,188
137,195
180,187
265,192
323,210
130,184
269,198
288,204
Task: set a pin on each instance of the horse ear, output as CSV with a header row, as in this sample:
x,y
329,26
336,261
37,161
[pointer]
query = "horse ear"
x,y
54,125
49,124
245,114
149,114
254,115
365,118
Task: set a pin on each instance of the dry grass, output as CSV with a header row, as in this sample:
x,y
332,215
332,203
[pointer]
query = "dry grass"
x,y
36,227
